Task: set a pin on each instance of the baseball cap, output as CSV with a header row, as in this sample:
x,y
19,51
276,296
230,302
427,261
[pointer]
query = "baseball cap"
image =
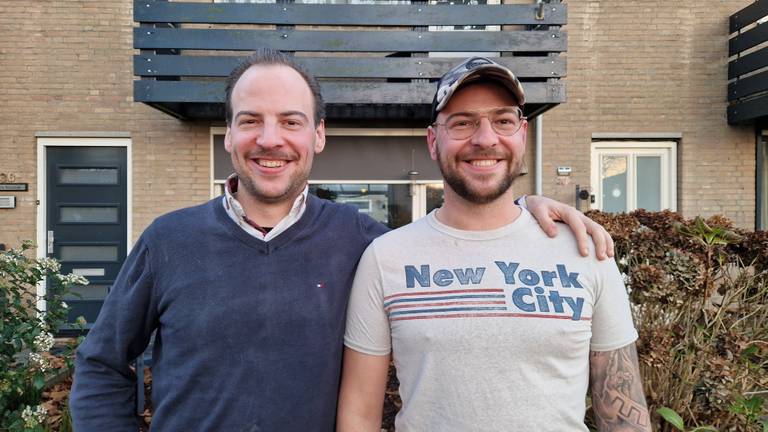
x,y
474,69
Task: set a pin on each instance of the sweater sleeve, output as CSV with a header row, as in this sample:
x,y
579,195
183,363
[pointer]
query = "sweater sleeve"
x,y
103,393
370,228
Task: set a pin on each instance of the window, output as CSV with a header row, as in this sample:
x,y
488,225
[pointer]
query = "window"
x,y
384,173
629,175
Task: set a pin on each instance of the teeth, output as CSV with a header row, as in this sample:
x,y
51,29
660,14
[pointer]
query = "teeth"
x,y
271,163
483,163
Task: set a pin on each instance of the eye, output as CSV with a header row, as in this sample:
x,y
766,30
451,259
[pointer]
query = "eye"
x,y
248,121
461,124
293,124
507,120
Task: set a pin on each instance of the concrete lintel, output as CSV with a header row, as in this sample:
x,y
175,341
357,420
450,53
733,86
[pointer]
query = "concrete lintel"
x,y
82,134
637,135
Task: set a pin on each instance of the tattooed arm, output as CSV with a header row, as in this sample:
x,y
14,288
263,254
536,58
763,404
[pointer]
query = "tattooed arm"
x,y
617,391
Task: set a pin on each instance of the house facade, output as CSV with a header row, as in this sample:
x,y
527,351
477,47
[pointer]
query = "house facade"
x,y
112,110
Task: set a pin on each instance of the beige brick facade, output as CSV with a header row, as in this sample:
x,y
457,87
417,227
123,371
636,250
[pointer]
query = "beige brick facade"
x,y
647,67
633,67
67,66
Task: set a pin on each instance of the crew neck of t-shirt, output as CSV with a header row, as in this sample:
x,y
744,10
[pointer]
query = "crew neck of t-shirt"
x,y
521,223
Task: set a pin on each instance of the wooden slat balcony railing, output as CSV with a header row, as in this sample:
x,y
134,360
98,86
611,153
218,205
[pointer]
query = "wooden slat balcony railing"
x,y
373,61
748,68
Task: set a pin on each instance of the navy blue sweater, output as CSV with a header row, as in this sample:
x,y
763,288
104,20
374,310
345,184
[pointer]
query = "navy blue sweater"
x,y
249,333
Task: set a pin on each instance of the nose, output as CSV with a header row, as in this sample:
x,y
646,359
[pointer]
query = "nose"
x,y
270,136
485,136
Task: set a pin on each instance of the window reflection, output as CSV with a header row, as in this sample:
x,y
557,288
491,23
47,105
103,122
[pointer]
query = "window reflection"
x,y
390,204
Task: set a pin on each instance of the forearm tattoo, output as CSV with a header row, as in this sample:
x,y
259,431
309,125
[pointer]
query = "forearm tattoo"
x,y
617,391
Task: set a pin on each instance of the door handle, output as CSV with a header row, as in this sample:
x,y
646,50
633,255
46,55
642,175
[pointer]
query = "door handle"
x,y
50,242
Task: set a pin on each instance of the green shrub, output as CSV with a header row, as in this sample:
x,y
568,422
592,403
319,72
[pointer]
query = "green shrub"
x,y
26,336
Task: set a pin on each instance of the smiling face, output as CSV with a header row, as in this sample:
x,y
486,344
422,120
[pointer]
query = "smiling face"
x,y
481,168
272,137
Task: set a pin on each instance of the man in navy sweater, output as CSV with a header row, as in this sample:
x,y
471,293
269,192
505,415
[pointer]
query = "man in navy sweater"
x,y
247,293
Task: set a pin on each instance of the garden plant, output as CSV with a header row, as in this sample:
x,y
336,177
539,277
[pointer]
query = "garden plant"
x,y
26,339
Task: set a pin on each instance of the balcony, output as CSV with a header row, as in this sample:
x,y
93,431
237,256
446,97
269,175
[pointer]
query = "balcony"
x,y
374,62
748,67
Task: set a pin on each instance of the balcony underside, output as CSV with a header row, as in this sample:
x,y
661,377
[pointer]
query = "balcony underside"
x,y
374,62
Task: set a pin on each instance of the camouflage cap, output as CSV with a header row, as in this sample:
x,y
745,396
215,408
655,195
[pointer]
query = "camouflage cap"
x,y
474,69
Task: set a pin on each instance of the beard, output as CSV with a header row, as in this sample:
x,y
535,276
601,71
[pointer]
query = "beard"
x,y
480,192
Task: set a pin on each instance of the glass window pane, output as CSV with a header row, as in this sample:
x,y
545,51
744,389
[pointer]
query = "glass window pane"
x,y
89,214
88,253
88,175
434,196
648,182
613,178
389,204
88,292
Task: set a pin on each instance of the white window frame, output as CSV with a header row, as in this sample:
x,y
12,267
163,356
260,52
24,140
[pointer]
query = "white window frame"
x,y
667,150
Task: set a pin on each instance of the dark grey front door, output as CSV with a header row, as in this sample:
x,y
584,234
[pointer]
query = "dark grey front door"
x,y
87,219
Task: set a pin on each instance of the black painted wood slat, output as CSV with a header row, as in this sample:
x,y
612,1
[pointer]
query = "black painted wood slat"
x,y
748,110
348,41
343,67
748,63
748,39
354,15
333,92
748,86
748,15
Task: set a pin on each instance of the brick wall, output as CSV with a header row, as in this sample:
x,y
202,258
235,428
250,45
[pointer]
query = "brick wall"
x,y
66,66
654,66
633,67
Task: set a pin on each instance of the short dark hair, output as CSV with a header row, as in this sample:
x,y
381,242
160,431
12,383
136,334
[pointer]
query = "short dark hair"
x,y
267,57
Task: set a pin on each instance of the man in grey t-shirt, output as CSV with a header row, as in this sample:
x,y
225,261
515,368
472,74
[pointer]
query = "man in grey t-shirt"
x,y
492,325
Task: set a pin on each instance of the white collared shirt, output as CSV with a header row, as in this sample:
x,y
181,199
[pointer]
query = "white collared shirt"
x,y
237,214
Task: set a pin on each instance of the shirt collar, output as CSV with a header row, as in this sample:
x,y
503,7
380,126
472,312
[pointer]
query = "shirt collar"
x,y
237,213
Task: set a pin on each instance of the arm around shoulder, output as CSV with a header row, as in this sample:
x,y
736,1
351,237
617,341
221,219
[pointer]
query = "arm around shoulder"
x,y
103,391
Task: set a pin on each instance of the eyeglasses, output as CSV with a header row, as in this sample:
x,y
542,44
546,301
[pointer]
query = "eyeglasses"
x,y
505,121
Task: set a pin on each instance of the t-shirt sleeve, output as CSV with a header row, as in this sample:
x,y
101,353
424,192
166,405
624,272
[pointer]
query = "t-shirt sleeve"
x,y
612,326
367,323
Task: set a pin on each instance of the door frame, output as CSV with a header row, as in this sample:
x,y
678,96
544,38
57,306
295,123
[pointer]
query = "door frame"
x,y
76,140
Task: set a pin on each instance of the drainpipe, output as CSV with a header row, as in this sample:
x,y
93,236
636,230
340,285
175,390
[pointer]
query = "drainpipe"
x,y
539,130
538,126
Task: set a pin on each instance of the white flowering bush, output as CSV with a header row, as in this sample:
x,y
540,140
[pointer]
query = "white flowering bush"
x,y
26,336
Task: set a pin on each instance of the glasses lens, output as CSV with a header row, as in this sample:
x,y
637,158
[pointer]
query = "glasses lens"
x,y
504,121
461,126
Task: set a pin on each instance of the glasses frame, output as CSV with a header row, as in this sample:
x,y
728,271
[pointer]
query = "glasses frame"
x,y
485,114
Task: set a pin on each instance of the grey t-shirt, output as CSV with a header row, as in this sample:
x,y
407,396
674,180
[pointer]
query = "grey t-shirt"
x,y
489,330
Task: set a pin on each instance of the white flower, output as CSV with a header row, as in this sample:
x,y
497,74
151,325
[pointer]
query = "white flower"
x,y
48,264
64,305
43,342
39,361
623,260
33,416
73,279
